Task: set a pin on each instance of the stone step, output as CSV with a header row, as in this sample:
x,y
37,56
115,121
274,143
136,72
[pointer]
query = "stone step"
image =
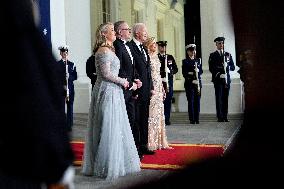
x,y
182,117
176,118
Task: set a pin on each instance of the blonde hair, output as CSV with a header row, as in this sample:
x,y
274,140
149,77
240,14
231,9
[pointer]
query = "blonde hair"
x,y
148,42
100,38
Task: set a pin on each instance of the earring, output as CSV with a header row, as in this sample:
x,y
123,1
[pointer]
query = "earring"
x,y
104,40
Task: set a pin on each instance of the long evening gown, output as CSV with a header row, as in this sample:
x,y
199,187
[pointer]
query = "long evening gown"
x,y
109,150
157,138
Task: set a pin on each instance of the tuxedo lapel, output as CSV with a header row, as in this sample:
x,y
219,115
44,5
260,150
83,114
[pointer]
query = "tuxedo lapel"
x,y
122,45
138,51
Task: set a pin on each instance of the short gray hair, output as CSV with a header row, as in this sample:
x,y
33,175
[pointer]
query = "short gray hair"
x,y
137,27
117,26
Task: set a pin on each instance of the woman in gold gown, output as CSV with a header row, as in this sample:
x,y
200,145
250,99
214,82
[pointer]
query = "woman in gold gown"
x,y
157,138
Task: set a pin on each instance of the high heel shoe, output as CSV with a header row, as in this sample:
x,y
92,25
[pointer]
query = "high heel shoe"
x,y
168,148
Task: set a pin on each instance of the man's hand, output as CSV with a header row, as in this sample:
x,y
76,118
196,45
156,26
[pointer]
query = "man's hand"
x,y
138,82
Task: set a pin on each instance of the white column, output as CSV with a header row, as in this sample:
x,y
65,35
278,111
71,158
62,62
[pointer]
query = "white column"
x,y
78,37
78,34
216,21
71,25
57,22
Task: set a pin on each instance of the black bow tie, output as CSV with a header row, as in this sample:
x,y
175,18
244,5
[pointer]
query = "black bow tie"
x,y
141,48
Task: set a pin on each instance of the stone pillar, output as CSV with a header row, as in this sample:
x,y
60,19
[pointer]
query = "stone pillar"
x,y
70,25
78,37
216,21
57,22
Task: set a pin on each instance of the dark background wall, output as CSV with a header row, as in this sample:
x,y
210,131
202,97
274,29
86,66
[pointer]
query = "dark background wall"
x,y
192,24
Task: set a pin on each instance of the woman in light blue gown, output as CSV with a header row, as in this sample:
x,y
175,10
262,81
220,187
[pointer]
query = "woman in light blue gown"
x,y
109,150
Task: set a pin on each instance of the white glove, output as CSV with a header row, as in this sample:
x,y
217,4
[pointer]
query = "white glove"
x,y
190,73
195,82
196,69
222,75
168,70
68,177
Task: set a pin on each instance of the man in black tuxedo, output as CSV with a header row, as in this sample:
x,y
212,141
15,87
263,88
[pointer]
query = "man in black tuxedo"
x,y
35,148
127,70
142,65
220,65
91,69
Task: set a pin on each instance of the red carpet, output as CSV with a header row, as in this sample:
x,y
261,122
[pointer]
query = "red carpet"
x,y
171,159
181,155
78,148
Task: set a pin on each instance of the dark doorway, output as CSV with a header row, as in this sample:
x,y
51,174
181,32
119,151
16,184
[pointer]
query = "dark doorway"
x,y
192,24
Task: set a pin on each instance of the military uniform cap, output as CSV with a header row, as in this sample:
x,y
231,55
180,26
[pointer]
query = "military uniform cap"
x,y
219,39
190,47
63,48
162,43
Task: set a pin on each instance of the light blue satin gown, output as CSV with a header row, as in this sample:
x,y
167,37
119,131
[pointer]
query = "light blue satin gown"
x,y
109,150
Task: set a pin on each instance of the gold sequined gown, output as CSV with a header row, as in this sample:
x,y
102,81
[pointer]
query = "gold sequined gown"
x,y
157,138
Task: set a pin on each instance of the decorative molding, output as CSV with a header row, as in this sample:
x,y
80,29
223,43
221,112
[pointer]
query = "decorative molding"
x,y
179,8
138,4
164,2
162,5
178,11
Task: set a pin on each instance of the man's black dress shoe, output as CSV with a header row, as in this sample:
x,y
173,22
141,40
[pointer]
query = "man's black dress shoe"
x,y
145,150
220,120
226,120
197,122
148,152
192,122
168,122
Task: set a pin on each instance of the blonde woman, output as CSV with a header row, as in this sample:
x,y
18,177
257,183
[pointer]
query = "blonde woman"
x,y
157,138
110,150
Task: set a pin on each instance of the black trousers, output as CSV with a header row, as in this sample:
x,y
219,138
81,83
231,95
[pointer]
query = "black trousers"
x,y
130,108
142,115
69,114
221,97
193,99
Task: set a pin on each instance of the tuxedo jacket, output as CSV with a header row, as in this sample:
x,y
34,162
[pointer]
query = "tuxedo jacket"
x,y
144,71
216,66
91,69
127,68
